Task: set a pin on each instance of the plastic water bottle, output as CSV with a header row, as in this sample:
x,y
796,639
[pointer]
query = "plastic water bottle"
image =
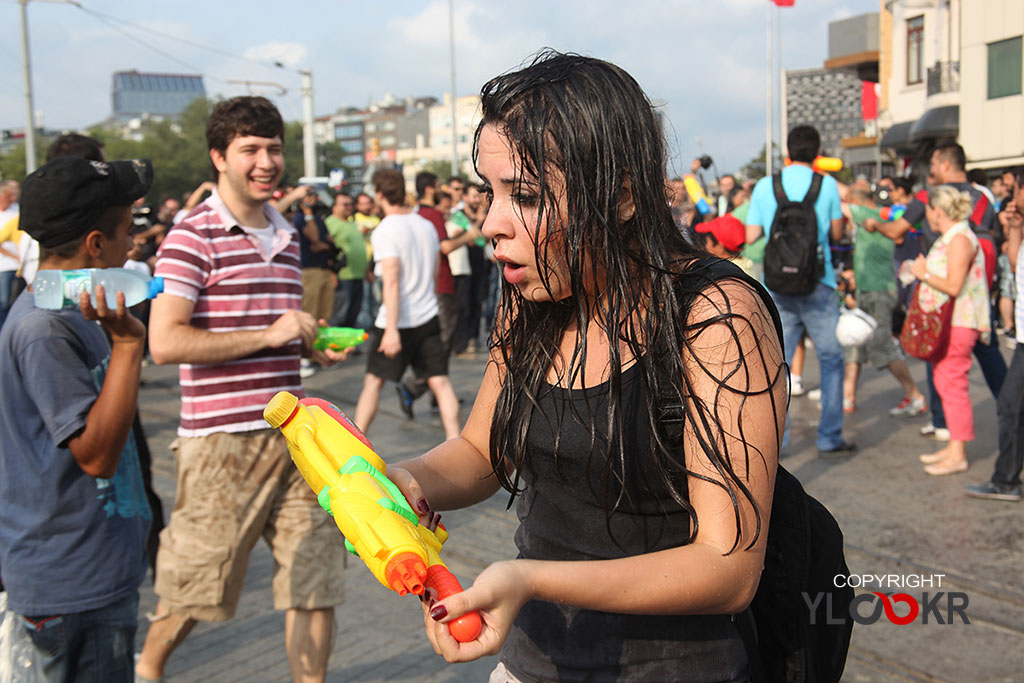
x,y
60,288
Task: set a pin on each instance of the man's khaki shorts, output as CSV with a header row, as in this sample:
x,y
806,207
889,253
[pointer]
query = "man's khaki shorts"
x,y
233,488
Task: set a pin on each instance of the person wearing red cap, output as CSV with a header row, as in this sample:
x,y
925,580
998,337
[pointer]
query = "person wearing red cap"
x,y
725,237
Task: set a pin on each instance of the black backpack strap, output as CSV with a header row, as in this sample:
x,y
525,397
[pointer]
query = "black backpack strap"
x,y
780,193
814,191
712,269
747,627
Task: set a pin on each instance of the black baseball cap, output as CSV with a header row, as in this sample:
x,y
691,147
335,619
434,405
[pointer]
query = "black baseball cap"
x,y
63,200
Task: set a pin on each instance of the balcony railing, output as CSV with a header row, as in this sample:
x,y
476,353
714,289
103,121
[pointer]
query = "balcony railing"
x,y
944,77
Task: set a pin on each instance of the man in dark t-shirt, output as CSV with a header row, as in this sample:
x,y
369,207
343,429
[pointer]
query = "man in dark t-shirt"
x,y
946,168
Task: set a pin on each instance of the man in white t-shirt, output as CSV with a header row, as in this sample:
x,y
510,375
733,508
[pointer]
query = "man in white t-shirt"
x,y
406,331
9,190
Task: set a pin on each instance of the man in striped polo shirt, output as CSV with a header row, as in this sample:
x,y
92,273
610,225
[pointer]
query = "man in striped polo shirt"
x,y
232,317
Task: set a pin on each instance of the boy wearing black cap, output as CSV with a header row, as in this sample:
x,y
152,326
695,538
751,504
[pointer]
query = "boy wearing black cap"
x,y
74,518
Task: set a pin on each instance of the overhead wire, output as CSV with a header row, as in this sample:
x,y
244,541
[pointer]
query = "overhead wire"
x,y
112,22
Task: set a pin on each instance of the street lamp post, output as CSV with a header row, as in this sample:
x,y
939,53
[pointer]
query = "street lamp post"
x,y
455,129
308,148
768,96
26,66
30,124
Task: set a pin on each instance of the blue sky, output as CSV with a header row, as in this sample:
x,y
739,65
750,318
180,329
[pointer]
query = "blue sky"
x,y
704,60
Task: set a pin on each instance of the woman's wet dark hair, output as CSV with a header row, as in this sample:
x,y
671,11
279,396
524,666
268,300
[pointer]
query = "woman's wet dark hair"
x,y
590,122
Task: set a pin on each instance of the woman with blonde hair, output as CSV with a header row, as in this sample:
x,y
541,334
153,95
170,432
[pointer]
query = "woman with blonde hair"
x,y
954,269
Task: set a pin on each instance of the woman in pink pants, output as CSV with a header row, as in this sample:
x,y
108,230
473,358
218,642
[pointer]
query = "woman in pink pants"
x,y
954,268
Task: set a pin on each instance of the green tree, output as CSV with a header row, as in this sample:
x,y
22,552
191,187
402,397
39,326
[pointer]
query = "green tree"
x,y
755,168
177,149
293,155
329,156
442,168
181,160
12,163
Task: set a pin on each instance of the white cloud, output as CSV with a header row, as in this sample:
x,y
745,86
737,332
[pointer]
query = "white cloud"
x,y
704,60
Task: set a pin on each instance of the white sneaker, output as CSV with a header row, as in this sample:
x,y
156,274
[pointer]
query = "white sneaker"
x,y
796,386
306,369
814,394
909,407
939,434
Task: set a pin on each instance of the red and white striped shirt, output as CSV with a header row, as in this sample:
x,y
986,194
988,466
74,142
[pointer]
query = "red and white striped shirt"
x,y
235,284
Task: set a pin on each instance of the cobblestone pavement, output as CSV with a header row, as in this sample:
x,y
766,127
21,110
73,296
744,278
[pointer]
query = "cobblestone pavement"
x,y
896,520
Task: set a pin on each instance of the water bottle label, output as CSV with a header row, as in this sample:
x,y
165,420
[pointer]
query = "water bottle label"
x,y
74,283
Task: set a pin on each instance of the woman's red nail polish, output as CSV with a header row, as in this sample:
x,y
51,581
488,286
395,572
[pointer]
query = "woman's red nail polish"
x,y
423,506
439,613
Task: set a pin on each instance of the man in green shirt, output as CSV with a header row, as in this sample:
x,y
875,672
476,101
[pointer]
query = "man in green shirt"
x,y
348,297
875,278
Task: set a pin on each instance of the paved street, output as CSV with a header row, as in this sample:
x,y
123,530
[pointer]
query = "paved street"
x,y
896,520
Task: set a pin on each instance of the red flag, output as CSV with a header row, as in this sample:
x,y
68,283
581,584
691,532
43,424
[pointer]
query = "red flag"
x,y
869,100
784,3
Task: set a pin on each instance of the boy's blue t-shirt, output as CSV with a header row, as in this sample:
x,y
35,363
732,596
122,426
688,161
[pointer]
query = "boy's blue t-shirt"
x,y
796,181
69,542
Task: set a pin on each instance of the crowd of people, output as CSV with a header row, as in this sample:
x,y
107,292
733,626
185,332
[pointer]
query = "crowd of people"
x,y
951,238
633,402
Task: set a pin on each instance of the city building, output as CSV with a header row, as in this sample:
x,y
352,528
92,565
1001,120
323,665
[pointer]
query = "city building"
x,y
829,100
144,95
841,99
853,50
953,71
920,75
347,130
438,144
374,137
991,83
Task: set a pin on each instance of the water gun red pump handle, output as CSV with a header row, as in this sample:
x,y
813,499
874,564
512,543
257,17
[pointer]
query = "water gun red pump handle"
x,y
443,582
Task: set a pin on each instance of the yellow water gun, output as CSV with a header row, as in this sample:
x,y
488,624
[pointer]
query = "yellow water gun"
x,y
823,164
350,480
696,193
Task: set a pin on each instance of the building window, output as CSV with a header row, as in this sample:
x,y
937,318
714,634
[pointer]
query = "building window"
x,y
355,145
915,47
352,160
1004,68
372,127
387,141
387,125
341,132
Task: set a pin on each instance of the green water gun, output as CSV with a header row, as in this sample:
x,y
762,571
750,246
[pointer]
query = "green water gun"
x,y
339,338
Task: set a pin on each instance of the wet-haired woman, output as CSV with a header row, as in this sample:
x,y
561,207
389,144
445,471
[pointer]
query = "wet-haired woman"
x,y
633,402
